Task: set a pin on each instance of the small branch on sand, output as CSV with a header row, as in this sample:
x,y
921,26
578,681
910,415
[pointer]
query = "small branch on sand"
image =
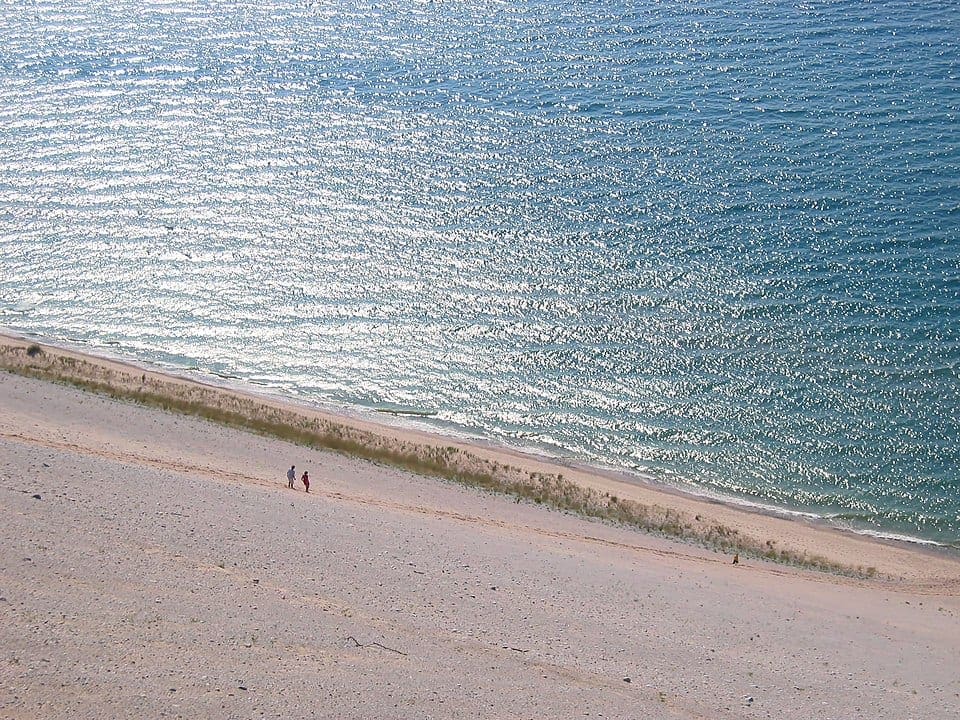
x,y
359,644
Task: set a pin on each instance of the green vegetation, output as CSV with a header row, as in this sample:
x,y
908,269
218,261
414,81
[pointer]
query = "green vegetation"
x,y
447,462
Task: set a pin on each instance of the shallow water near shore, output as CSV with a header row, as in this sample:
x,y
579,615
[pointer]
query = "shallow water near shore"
x,y
710,244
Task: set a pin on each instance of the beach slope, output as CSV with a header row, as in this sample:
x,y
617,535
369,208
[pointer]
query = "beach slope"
x,y
155,565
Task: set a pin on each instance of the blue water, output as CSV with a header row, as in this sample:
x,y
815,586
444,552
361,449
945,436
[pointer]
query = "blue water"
x,y
712,243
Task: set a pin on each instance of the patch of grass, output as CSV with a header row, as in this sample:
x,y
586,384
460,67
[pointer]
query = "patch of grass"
x,y
450,463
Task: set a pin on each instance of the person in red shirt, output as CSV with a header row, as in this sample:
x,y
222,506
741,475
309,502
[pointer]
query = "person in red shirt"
x,y
306,481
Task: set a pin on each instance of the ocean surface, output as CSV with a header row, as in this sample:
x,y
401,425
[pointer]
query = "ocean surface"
x,y
714,243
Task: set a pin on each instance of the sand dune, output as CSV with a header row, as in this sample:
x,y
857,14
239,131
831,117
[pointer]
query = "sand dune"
x,y
156,565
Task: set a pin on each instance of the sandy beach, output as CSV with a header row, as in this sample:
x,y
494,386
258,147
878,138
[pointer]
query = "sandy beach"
x,y
156,565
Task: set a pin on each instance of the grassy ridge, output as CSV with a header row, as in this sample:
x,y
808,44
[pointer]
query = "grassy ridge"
x,y
447,462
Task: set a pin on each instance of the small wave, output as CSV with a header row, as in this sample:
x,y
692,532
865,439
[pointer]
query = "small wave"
x,y
898,537
405,412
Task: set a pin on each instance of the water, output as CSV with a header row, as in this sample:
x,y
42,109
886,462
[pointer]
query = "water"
x,y
710,243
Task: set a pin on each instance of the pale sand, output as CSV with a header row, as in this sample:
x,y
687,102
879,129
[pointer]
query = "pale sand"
x,y
167,571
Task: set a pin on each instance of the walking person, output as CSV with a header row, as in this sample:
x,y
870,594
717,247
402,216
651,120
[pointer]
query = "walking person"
x,y
306,481
291,476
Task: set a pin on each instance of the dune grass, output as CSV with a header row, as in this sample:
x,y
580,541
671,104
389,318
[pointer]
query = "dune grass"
x,y
441,461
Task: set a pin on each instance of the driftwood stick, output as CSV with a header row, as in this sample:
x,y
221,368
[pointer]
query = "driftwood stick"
x,y
359,644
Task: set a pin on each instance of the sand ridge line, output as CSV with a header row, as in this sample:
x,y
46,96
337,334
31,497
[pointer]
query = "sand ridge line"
x,y
137,459
936,586
942,586
523,528
189,469
219,474
720,559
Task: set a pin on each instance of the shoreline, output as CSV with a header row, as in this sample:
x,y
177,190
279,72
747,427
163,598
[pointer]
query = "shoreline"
x,y
417,422
157,565
798,539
